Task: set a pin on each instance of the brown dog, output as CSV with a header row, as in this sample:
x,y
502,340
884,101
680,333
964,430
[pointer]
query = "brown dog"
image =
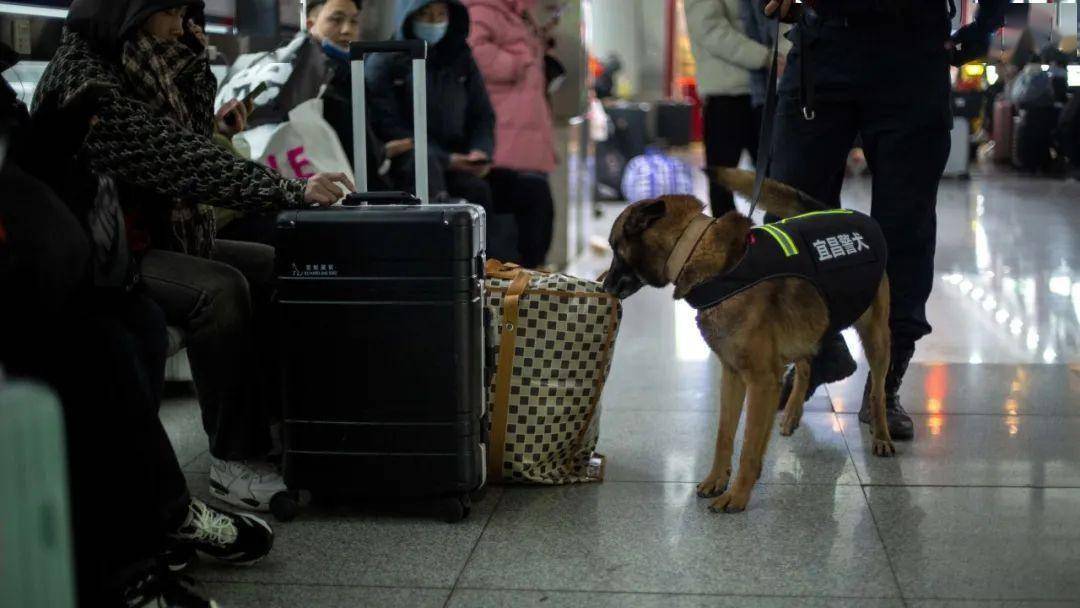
x,y
756,331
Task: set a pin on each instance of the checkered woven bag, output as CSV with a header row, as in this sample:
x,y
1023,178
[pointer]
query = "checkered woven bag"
x,y
555,340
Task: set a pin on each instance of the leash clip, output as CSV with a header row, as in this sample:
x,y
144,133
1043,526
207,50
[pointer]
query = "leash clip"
x,y
808,113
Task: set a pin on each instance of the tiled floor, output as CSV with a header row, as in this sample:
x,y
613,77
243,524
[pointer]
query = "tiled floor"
x,y
983,506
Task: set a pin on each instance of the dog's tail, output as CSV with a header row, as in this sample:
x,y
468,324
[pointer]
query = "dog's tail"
x,y
778,199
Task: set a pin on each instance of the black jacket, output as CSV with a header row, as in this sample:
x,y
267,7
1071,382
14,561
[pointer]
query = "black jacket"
x,y
842,252
460,116
153,160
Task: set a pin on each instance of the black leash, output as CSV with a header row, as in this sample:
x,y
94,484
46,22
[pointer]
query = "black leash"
x,y
768,116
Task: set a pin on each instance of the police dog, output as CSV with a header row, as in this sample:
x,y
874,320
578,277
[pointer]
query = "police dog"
x,y
755,332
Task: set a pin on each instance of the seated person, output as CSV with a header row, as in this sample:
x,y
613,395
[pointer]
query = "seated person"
x,y
108,374
461,121
315,62
126,108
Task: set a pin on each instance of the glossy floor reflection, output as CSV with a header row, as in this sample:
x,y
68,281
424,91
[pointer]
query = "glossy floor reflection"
x,y
982,509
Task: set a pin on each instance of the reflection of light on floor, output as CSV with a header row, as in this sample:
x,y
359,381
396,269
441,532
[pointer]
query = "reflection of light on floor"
x,y
1013,422
1032,338
982,246
689,345
1076,299
1001,316
975,359
1010,406
935,423
1049,355
1060,285
836,425
936,387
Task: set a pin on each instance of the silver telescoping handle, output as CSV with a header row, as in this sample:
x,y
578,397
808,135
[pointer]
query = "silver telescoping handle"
x,y
417,50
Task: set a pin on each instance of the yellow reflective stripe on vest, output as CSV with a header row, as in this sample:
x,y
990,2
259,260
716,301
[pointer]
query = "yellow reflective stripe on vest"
x,y
813,213
786,244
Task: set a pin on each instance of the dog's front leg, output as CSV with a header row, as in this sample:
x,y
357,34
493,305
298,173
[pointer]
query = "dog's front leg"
x,y
764,392
732,394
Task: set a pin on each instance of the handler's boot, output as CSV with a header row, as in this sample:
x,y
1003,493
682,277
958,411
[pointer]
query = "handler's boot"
x,y
832,364
900,424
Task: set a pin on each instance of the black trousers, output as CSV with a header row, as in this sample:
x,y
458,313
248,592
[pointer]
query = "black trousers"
x,y
225,306
906,156
732,125
527,196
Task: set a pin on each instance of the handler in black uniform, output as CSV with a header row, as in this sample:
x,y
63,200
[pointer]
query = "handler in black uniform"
x,y
878,69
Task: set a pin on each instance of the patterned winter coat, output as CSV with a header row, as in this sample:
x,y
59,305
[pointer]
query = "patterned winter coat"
x,y
84,111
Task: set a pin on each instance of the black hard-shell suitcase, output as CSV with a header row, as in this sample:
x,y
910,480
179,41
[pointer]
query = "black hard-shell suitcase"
x,y
383,340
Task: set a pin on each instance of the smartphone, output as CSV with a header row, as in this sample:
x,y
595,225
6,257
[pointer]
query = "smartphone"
x,y
249,99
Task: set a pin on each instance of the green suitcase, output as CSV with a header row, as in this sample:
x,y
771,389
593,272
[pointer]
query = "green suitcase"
x,y
36,568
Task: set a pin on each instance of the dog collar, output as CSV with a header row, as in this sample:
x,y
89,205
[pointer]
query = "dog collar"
x,y
685,246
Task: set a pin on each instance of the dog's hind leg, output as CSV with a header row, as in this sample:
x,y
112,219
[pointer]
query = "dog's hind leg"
x,y
763,393
732,394
794,409
873,328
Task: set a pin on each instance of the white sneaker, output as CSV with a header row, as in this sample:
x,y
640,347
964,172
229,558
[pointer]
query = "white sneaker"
x,y
245,484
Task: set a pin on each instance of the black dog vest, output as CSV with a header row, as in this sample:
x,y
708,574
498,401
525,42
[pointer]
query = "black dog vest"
x,y
842,252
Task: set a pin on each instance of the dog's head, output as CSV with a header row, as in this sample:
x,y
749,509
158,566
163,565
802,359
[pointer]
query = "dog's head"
x,y
642,239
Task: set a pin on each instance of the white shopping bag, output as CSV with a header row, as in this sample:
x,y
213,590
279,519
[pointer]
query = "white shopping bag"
x,y
299,148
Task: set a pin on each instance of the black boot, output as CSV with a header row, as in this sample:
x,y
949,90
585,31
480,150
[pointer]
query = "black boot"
x,y
832,364
900,424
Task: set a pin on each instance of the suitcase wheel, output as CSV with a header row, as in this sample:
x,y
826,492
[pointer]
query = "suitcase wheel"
x,y
455,508
285,505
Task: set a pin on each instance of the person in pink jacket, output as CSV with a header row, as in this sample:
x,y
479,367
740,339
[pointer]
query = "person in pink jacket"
x,y
509,47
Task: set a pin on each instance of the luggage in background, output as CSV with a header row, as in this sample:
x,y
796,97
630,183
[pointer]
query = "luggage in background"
x,y
959,163
555,345
674,122
655,174
36,562
627,138
1003,130
1033,138
381,307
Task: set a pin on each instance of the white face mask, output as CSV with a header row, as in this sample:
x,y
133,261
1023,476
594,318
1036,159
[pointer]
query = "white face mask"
x,y
431,33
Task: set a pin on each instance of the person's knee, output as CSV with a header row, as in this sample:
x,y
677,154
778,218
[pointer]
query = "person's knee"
x,y
226,299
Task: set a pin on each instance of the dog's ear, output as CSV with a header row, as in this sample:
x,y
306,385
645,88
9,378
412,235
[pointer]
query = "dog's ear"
x,y
645,215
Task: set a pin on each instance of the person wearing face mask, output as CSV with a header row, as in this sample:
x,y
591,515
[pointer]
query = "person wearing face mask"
x,y
314,63
461,121
126,105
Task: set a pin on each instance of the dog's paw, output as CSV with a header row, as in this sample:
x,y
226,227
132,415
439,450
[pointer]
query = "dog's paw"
x,y
730,502
884,448
788,426
712,486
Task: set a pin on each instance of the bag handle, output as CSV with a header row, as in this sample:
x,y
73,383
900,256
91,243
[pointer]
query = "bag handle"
x,y
417,50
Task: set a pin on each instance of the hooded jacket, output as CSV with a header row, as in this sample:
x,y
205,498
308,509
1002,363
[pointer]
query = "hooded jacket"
x,y
153,160
511,58
460,116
